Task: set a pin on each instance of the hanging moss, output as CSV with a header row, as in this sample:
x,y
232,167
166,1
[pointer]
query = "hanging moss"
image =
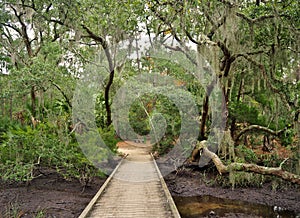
x,y
226,148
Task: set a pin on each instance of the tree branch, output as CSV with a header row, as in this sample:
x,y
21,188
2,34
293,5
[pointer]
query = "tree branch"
x,y
259,128
23,31
12,27
274,171
216,27
252,21
95,37
63,93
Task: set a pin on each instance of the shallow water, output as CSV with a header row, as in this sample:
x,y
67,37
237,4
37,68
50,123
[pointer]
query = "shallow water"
x,y
208,206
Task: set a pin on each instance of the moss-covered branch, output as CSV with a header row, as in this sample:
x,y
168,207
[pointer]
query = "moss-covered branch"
x,y
259,128
275,171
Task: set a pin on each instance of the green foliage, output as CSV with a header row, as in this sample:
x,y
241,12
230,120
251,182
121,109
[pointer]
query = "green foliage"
x,y
110,137
245,179
26,149
271,160
164,145
246,154
261,42
238,110
287,137
5,123
100,114
142,121
138,117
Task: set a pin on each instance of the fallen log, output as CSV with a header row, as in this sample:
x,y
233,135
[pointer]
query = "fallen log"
x,y
275,171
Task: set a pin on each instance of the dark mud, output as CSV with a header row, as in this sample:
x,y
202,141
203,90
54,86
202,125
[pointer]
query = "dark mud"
x,y
47,196
53,196
192,183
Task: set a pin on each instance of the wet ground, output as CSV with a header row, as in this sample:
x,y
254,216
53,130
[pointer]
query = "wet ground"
x,y
47,196
196,199
208,206
53,196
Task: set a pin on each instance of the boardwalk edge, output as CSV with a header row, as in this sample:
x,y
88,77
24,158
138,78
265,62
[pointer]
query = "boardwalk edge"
x,y
167,192
88,208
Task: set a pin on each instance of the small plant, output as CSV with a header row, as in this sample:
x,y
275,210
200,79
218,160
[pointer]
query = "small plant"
x,y
13,211
272,160
287,137
40,214
25,149
245,179
110,137
247,154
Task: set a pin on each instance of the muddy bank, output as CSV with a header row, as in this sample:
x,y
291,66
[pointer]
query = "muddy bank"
x,y
53,196
191,183
47,196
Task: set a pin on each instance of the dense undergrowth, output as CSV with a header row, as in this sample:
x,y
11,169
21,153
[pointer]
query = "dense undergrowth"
x,y
24,149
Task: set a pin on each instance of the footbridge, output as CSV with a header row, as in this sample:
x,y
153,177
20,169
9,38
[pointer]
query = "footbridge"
x,y
135,189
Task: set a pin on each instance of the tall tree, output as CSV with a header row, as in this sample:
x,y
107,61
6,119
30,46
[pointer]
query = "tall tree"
x,y
35,47
99,26
239,39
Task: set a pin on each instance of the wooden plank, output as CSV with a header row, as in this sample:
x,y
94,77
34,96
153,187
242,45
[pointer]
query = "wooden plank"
x,y
88,208
137,190
167,192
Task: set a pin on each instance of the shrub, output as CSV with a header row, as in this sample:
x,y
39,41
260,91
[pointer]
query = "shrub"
x,y
25,149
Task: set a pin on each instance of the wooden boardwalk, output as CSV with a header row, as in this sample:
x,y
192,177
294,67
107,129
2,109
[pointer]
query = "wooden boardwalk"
x,y
135,189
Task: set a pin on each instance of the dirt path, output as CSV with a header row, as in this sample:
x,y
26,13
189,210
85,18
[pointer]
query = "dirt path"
x,y
135,189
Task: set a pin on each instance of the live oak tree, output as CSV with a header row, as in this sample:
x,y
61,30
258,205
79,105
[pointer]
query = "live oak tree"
x,y
99,26
253,48
35,48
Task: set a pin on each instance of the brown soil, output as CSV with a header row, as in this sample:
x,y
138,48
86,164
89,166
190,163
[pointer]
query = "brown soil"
x,y
52,196
192,183
47,196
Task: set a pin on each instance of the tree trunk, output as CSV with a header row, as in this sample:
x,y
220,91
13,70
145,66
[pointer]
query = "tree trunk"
x,y
233,121
227,93
108,55
33,101
107,88
204,117
107,98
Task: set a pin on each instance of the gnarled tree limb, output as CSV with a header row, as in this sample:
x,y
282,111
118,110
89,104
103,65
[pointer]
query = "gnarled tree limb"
x,y
259,128
275,171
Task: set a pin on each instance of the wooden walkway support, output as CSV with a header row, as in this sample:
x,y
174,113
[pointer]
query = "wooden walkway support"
x,y
135,189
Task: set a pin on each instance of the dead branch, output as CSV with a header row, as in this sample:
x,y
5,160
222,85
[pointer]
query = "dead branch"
x,y
259,128
274,171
